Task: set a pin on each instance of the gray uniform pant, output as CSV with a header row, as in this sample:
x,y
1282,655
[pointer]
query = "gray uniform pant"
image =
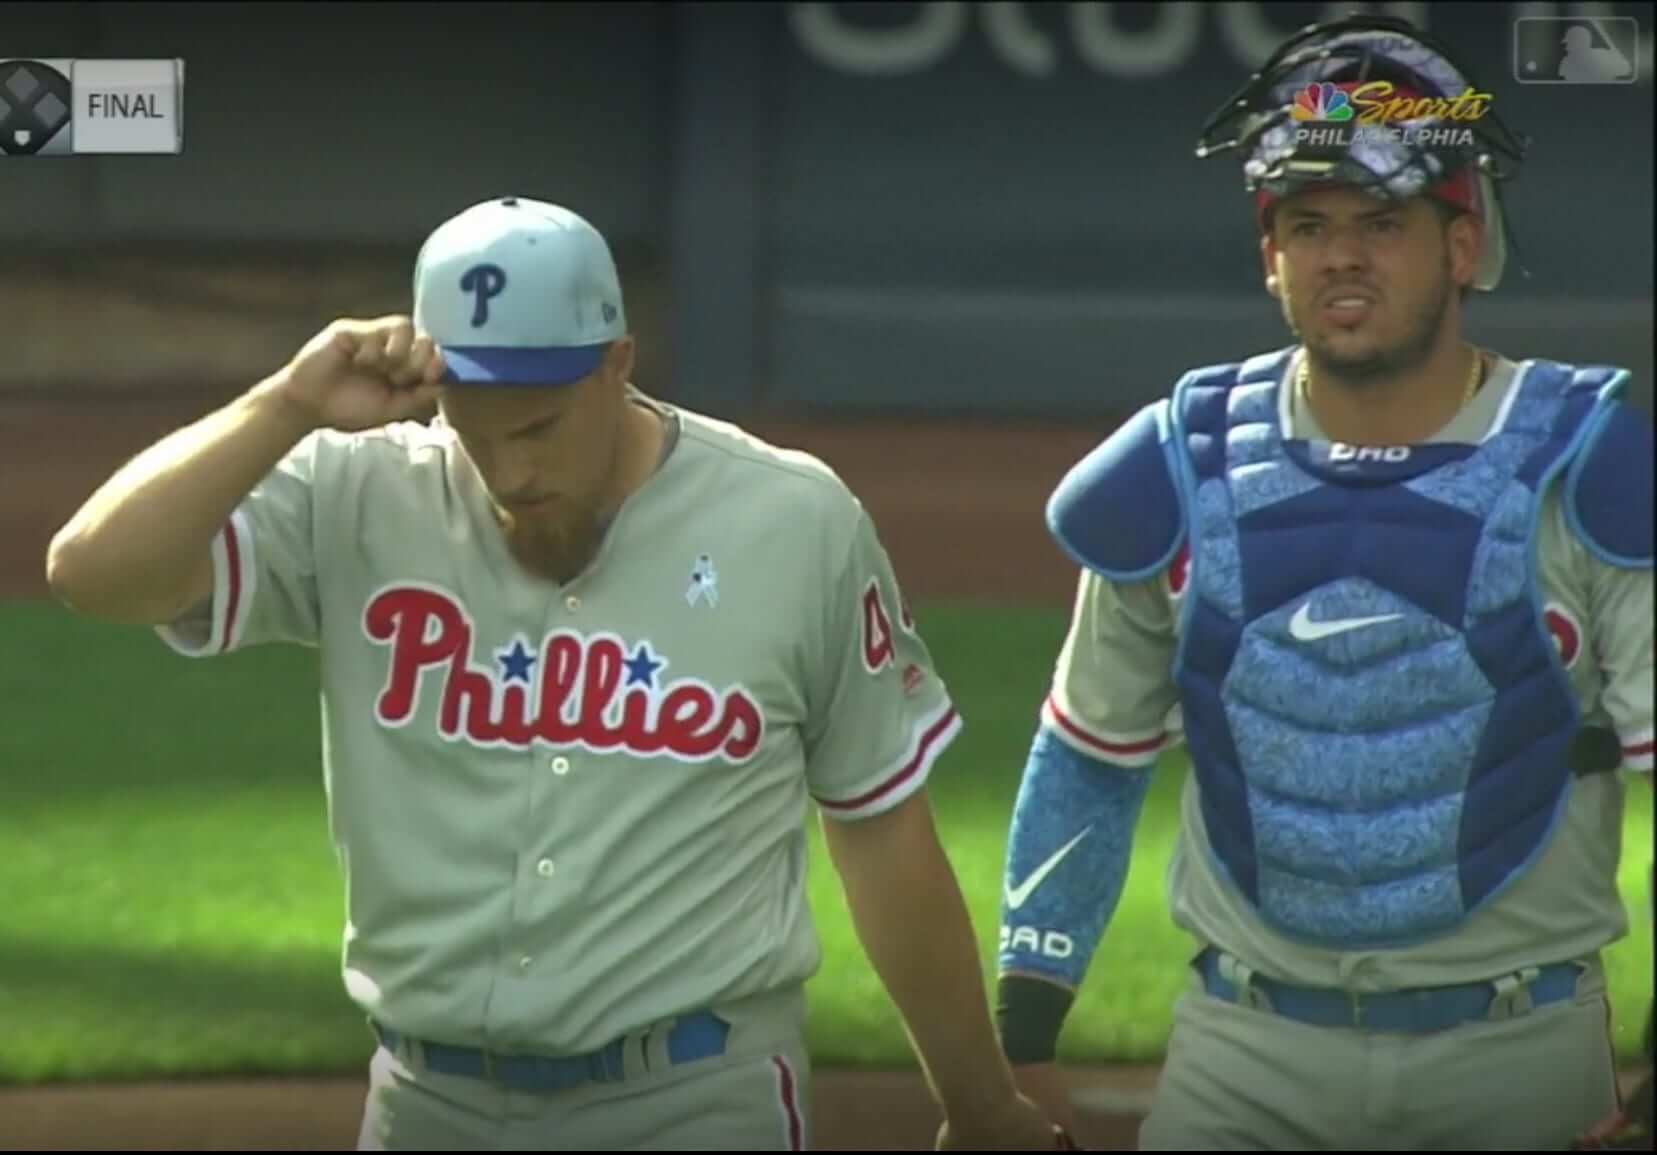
x,y
755,1096
1239,1077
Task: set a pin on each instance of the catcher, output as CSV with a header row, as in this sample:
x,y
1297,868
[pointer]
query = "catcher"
x,y
1395,591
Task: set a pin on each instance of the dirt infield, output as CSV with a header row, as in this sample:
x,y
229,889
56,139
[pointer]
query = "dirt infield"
x,y
959,508
959,505
854,1111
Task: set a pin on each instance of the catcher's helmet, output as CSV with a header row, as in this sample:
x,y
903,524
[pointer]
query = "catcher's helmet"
x,y
1451,144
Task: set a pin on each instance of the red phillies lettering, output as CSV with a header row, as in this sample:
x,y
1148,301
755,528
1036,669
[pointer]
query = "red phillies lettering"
x,y
467,697
598,693
516,727
404,617
598,690
742,725
561,670
685,717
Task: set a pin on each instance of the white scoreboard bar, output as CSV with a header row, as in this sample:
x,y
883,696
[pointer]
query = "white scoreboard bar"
x,y
58,107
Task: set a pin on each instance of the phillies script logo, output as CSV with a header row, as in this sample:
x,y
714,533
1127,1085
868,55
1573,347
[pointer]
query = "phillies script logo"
x,y
592,692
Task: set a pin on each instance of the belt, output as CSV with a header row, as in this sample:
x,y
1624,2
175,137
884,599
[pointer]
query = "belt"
x,y
1421,1011
697,1036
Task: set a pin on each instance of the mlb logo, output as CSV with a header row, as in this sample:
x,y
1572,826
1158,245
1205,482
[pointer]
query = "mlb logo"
x,y
1576,50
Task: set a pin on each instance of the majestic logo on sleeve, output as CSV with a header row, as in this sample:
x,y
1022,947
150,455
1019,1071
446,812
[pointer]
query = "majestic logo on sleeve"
x,y
592,691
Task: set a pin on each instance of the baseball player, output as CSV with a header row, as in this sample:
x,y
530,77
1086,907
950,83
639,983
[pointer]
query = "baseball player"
x,y
1394,594
585,658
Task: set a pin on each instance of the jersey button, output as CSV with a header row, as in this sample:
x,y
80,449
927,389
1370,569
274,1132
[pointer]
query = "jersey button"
x,y
572,603
544,868
560,765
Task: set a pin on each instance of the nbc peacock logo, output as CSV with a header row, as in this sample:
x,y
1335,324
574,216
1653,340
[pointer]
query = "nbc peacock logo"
x,y
1322,102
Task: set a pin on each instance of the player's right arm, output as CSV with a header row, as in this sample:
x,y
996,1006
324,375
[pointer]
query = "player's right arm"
x,y
1104,724
1070,844
140,550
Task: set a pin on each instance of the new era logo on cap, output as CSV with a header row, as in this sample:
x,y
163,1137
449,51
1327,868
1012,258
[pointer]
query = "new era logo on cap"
x,y
518,292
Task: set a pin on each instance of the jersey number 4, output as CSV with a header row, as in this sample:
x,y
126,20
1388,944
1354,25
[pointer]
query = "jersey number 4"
x,y
879,650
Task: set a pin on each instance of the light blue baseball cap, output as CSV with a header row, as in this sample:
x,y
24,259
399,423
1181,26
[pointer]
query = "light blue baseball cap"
x,y
516,291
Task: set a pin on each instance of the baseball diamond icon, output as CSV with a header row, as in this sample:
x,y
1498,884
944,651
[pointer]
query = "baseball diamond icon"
x,y
34,107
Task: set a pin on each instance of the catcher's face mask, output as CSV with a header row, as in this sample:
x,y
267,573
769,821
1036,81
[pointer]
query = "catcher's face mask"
x,y
1371,102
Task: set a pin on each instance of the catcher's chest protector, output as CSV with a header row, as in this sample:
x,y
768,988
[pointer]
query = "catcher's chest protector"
x,y
1373,703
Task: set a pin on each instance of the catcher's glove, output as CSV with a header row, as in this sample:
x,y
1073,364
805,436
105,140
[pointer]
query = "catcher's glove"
x,y
1629,1130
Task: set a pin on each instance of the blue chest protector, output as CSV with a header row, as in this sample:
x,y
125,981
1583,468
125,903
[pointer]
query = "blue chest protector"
x,y
1375,711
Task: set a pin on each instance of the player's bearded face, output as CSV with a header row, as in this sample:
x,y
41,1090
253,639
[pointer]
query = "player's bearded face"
x,y
1366,285
546,457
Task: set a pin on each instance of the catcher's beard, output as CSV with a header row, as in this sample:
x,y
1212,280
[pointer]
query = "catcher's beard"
x,y
1425,325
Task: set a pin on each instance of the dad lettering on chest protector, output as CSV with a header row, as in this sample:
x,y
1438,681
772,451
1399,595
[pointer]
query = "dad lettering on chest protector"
x,y
1340,451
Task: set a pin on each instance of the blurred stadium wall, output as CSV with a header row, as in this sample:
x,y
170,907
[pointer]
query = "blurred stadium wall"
x,y
947,208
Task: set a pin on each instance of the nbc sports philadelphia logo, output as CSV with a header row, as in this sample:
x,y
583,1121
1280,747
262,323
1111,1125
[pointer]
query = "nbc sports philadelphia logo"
x,y
1339,116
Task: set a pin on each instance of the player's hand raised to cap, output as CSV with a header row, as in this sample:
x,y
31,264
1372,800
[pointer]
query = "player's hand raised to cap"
x,y
358,374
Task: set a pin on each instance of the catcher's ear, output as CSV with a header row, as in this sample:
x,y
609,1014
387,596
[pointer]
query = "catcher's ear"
x,y
1268,264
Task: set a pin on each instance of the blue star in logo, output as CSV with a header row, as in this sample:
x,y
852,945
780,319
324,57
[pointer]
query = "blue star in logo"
x,y
515,663
642,667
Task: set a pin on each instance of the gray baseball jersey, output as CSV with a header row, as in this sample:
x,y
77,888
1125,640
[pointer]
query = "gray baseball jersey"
x,y
1114,697
562,813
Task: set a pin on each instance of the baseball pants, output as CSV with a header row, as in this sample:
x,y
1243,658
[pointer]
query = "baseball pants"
x,y
748,1099
1241,1078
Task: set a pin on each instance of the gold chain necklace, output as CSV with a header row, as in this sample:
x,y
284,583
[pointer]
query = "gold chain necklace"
x,y
1475,377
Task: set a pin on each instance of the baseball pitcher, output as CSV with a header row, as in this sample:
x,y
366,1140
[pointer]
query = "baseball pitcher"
x,y
1394,594
585,657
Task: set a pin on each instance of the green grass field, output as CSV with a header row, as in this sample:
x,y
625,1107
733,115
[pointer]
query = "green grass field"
x,y
172,905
